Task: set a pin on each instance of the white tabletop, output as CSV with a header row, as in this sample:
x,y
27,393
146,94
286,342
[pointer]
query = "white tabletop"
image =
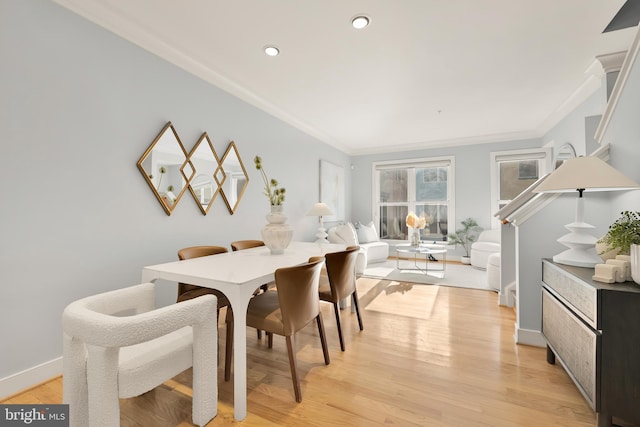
x,y
237,275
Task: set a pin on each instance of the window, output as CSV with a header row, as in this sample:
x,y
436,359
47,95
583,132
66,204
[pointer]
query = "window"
x,y
423,186
512,172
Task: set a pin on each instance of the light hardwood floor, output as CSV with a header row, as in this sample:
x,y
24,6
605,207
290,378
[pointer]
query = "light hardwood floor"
x,y
428,356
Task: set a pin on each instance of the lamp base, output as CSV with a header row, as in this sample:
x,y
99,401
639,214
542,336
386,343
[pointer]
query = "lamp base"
x,y
578,258
321,236
582,247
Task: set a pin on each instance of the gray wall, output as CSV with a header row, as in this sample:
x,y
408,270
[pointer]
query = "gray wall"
x,y
623,134
79,107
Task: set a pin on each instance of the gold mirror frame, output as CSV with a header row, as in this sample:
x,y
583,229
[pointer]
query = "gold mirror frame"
x,y
204,187
166,156
232,177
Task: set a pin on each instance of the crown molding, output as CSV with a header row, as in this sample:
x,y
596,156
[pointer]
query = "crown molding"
x,y
120,25
612,62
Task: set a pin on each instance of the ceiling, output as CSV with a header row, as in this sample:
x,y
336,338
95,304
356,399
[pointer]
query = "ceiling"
x,y
424,73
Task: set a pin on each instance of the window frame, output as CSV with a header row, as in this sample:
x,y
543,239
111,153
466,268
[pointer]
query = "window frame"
x,y
448,161
545,154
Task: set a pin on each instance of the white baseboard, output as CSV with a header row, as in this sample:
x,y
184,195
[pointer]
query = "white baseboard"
x,y
529,337
29,377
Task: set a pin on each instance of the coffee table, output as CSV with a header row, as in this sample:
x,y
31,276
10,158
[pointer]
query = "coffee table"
x,y
419,251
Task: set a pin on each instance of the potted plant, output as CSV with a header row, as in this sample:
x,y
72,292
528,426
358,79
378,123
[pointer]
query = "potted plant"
x,y
624,232
623,238
464,237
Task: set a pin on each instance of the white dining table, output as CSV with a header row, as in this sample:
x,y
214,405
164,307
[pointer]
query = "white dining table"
x,y
237,274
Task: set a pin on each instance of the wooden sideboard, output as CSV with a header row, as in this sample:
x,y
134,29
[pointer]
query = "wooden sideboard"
x,y
593,329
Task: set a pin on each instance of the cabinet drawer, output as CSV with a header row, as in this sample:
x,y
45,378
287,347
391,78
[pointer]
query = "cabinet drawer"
x,y
574,344
581,298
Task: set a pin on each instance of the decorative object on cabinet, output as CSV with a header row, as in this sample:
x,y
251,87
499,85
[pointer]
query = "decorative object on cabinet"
x,y
608,273
464,237
232,177
625,268
332,189
320,209
624,232
582,174
166,168
593,329
635,263
204,187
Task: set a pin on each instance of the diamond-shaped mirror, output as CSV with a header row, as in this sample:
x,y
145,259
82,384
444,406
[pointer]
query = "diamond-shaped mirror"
x,y
203,187
165,168
232,177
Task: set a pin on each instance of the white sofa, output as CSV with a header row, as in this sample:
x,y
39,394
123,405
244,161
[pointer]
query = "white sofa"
x,y
372,250
488,243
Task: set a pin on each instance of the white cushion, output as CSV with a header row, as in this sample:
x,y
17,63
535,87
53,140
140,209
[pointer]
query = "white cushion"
x,y
347,233
376,251
367,233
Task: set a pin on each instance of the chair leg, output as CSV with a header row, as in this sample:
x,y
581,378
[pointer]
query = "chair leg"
x,y
323,338
336,309
294,368
263,288
356,305
270,339
228,347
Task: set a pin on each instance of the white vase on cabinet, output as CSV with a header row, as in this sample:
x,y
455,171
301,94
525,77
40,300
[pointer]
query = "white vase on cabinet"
x,y
635,262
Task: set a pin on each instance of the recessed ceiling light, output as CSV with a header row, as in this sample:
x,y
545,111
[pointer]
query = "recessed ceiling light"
x,y
271,50
359,22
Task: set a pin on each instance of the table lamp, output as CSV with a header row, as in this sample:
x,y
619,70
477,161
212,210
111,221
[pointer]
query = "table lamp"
x,y
320,209
582,174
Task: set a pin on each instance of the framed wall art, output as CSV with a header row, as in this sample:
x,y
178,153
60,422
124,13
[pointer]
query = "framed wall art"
x,y
332,189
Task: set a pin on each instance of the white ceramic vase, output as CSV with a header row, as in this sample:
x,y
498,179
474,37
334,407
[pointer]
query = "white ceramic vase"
x,y
635,263
415,237
277,234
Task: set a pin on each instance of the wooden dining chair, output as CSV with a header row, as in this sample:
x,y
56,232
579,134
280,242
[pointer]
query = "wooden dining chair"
x,y
340,283
187,292
289,308
240,245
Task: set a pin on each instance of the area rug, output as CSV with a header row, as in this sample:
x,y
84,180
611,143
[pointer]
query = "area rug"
x,y
456,275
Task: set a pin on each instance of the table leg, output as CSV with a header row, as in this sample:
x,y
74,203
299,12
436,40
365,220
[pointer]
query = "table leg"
x,y
239,306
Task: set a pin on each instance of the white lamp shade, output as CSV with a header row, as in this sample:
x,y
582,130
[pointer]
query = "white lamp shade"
x,y
587,173
319,209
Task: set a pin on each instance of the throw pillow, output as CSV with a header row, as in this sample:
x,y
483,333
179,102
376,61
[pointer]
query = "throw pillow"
x,y
347,233
367,233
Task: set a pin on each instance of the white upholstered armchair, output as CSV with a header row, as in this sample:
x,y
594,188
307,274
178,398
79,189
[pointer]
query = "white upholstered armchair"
x,y
117,345
488,243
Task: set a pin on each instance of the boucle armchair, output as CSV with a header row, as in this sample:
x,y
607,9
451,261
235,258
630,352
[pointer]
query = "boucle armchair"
x,y
116,345
488,243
